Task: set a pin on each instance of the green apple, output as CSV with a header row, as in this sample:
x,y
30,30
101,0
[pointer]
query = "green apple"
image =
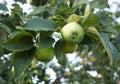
x,y
45,55
69,47
72,32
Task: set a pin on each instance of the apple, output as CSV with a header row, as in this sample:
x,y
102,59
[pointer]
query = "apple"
x,y
72,32
45,55
69,47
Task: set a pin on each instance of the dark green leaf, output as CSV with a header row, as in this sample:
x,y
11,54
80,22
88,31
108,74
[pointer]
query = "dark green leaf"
x,y
60,2
104,20
58,19
38,2
58,48
46,42
3,7
92,20
104,38
59,53
39,10
117,14
42,10
22,41
1,51
13,34
109,29
3,36
5,27
86,40
63,60
110,48
118,42
117,28
22,1
37,24
21,61
17,10
114,51
99,4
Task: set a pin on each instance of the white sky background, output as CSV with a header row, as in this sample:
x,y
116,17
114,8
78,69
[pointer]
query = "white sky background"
x,y
27,8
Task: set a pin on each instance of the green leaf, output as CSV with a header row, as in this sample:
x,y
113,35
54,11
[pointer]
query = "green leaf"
x,y
58,19
37,24
67,10
104,19
3,36
38,2
86,40
93,34
46,42
22,1
21,61
17,10
3,7
13,34
39,10
73,18
5,27
87,11
110,48
117,28
105,41
58,48
99,4
60,2
63,60
117,14
92,20
22,41
109,29
3,39
114,51
59,53
79,2
1,51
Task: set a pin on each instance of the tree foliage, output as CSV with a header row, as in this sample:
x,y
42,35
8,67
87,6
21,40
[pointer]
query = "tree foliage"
x,y
21,33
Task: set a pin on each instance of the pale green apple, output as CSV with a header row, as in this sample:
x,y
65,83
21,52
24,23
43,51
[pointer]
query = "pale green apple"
x,y
73,32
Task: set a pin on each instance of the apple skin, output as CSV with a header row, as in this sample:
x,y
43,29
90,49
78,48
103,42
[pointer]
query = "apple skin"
x,y
72,32
69,47
45,55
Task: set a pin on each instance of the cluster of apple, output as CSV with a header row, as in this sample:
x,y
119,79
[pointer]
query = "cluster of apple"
x,y
72,34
